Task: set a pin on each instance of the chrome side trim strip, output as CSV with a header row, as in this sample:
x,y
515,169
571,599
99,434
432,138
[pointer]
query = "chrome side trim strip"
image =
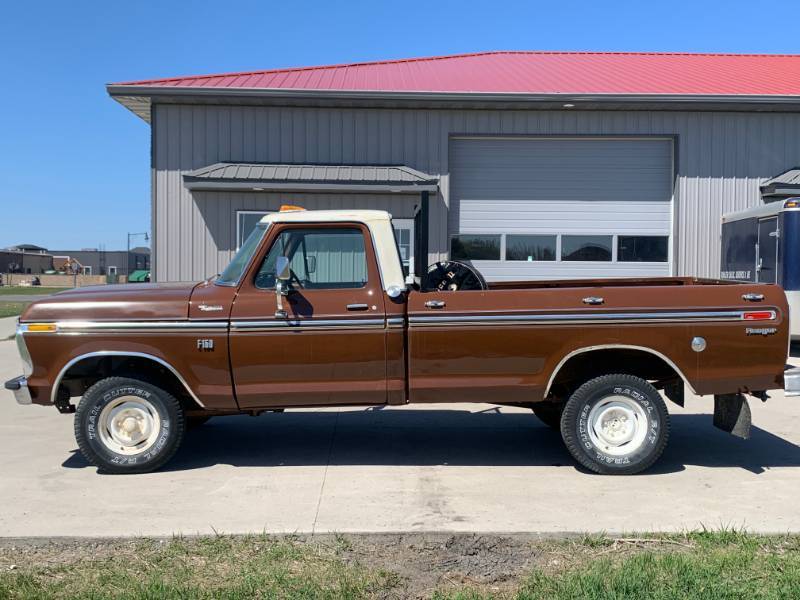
x,y
394,322
590,318
309,323
563,361
22,348
139,325
162,362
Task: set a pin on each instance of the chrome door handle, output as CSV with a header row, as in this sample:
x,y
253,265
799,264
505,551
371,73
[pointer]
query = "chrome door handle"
x,y
357,306
593,300
752,297
435,303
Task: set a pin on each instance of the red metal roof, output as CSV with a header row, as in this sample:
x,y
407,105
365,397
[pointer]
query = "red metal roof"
x,y
617,73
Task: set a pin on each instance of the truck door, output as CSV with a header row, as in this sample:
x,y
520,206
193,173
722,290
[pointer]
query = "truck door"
x,y
330,348
767,260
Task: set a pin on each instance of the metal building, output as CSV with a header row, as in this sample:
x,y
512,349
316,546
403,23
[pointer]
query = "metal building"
x,y
537,164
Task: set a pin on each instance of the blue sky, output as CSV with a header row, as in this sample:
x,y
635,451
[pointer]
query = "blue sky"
x,y
75,164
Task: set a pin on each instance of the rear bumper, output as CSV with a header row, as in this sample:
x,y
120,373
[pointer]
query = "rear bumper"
x,y
22,394
791,382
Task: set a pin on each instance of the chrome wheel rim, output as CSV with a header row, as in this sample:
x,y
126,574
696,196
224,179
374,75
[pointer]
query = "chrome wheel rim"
x,y
617,426
129,425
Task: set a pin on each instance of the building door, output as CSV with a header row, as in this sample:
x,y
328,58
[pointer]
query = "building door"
x,y
562,207
767,256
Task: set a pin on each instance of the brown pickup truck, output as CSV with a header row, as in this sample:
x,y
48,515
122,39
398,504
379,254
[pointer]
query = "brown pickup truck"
x,y
315,310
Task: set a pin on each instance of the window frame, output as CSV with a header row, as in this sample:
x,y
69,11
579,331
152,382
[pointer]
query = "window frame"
x,y
556,247
642,235
369,254
500,246
612,247
263,214
559,247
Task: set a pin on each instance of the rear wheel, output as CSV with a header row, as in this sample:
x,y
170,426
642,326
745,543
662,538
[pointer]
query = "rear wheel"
x,y
125,425
615,424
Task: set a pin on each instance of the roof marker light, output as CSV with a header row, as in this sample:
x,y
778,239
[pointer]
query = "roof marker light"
x,y
290,208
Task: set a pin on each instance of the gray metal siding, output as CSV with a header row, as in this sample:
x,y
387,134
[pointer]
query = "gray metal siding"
x,y
722,157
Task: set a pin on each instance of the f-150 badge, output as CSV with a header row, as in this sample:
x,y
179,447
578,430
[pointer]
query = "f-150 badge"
x,y
205,345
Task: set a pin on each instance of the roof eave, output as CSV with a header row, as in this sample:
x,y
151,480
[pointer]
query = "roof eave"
x,y
206,185
137,98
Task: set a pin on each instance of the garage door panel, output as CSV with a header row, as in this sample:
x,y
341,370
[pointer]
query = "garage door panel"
x,y
606,169
520,271
485,216
562,186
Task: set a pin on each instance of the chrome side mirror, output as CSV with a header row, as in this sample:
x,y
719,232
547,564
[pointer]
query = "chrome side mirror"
x,y
282,270
282,275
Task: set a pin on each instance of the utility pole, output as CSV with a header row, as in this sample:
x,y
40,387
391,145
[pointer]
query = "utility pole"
x,y
128,253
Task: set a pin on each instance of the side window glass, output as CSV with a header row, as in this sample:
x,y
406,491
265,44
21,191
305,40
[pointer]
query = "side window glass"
x,y
319,259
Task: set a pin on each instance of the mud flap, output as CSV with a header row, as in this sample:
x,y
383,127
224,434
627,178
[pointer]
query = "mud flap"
x,y
732,414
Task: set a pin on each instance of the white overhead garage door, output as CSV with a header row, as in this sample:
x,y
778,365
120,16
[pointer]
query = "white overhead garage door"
x,y
542,208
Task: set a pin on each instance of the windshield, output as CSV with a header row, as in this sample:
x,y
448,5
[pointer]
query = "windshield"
x,y
233,272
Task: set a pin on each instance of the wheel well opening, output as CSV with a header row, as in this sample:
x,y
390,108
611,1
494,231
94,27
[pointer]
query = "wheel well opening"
x,y
582,367
85,373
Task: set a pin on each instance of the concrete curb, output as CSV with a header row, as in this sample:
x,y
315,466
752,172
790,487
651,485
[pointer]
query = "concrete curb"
x,y
8,327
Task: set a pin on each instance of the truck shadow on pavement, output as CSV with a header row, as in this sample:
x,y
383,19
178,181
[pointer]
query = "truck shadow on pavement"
x,y
444,437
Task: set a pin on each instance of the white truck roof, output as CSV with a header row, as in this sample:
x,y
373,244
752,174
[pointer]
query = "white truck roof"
x,y
379,223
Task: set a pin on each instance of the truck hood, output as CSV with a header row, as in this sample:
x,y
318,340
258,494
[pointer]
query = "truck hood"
x,y
141,302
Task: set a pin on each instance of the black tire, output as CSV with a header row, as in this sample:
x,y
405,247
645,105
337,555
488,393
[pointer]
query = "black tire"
x,y
167,437
549,413
586,446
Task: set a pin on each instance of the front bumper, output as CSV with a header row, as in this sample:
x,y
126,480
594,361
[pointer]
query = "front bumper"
x,y
22,394
791,381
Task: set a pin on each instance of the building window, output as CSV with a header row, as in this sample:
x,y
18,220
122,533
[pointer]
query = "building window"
x,y
87,270
642,248
246,221
475,247
112,270
530,247
319,259
586,248
404,234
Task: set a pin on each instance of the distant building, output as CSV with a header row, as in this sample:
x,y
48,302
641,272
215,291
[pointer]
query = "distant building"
x,y
92,261
26,259
29,248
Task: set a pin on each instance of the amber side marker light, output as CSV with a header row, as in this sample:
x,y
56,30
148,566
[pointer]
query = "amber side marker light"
x,y
290,208
761,315
42,327
791,204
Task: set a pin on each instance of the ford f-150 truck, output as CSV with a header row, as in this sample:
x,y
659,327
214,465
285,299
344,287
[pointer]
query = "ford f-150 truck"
x,y
316,310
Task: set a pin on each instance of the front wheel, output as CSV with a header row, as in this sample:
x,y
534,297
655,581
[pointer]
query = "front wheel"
x,y
125,425
615,425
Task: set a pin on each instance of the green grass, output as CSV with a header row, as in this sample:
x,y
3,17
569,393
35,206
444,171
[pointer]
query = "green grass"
x,y
216,567
702,565
12,309
15,290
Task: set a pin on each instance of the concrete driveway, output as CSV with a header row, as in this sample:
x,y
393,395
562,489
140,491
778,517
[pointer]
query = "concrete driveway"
x,y
430,468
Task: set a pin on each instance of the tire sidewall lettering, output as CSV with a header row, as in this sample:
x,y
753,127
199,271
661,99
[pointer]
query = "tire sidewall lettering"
x,y
653,425
91,426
